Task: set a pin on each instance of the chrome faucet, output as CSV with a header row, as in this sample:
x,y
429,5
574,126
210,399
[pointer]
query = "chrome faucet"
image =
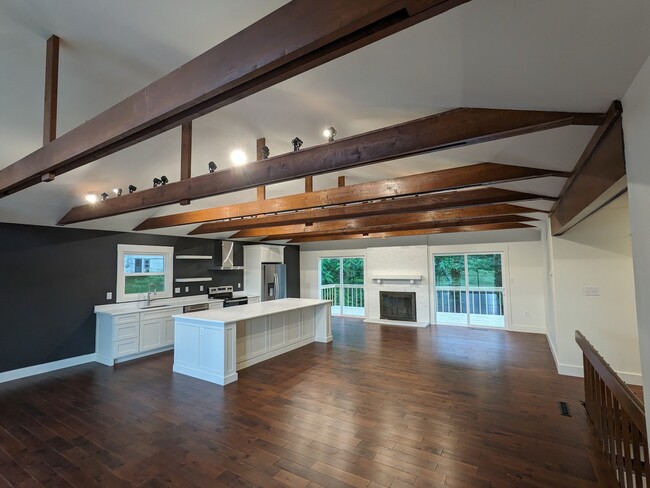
x,y
149,293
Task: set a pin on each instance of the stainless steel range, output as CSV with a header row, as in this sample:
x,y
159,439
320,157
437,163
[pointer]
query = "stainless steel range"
x,y
225,293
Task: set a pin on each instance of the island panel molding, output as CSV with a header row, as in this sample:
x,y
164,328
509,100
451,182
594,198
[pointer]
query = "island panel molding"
x,y
213,345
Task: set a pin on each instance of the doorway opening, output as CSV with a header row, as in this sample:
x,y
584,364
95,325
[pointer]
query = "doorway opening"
x,y
468,289
342,282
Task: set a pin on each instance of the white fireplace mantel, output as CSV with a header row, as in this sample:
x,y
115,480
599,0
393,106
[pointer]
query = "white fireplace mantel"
x,y
402,277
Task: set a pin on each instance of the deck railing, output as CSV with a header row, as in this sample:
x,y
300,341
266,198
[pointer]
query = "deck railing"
x,y
353,295
482,301
618,417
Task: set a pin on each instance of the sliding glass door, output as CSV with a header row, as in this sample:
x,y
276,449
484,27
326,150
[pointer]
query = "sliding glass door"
x,y
342,282
469,289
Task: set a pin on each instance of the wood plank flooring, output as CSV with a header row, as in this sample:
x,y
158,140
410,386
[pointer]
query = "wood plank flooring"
x,y
379,407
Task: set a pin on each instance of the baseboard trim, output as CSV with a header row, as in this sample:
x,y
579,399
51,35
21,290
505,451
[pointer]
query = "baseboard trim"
x,y
553,353
529,329
578,371
17,374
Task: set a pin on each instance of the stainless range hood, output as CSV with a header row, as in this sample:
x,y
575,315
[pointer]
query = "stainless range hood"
x,y
227,257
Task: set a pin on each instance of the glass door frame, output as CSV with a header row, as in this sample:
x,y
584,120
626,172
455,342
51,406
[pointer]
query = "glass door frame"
x,y
342,286
469,251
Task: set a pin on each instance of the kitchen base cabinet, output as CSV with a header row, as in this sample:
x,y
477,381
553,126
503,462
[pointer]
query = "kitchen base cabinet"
x,y
214,345
129,336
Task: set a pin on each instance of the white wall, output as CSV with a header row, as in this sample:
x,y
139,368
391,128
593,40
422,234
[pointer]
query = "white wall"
x,y
636,126
523,266
596,253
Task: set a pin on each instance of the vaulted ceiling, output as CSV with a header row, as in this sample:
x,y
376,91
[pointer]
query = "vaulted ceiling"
x,y
520,54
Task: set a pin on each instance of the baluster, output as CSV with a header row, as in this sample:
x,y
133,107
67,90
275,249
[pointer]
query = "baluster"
x,y
627,442
636,456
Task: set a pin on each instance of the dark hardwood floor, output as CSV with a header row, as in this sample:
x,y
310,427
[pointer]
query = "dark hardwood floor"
x,y
380,406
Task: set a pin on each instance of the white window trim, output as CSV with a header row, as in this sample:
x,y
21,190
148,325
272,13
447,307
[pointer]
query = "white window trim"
x,y
168,254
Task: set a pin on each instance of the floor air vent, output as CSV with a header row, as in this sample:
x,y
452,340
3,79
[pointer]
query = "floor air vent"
x,y
564,409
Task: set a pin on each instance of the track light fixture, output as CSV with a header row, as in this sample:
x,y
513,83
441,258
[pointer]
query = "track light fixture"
x,y
117,191
132,189
164,180
104,196
296,143
91,198
212,167
330,132
265,152
156,182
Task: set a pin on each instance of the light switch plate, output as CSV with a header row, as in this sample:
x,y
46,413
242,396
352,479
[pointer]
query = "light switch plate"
x,y
109,295
592,291
200,287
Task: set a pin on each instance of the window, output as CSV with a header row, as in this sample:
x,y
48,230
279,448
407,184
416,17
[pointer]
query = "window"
x,y
141,269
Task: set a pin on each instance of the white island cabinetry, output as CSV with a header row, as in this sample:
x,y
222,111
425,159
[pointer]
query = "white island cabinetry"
x,y
214,345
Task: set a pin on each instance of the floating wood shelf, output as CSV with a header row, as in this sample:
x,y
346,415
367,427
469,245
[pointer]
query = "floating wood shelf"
x,y
411,278
191,280
192,256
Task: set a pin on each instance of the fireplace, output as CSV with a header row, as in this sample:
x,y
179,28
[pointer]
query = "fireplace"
x,y
397,305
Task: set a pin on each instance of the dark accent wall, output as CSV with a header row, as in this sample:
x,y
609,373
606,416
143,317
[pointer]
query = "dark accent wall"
x,y
51,278
292,260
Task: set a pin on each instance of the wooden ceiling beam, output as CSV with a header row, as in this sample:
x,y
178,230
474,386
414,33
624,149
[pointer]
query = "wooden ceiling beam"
x,y
598,178
433,181
387,220
186,154
433,201
51,90
291,40
402,233
454,128
497,219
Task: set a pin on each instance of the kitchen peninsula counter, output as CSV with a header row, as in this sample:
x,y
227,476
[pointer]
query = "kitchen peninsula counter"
x,y
214,344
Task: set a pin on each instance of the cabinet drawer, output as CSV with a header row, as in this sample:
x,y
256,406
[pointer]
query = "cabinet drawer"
x,y
126,347
126,319
126,331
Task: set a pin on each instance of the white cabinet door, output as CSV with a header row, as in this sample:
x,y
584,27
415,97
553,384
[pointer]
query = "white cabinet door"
x,y
151,334
168,327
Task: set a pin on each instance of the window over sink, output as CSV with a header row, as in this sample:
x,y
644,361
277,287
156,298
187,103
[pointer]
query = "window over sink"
x,y
144,269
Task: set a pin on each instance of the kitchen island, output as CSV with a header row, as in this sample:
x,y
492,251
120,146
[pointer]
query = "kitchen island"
x,y
213,345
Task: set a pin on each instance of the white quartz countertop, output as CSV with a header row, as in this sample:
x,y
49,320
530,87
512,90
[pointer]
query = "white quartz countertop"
x,y
252,310
133,307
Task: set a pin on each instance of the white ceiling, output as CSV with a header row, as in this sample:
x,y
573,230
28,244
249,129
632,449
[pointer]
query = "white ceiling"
x,y
576,55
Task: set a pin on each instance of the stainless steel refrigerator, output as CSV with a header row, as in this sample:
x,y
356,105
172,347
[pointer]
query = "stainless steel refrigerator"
x,y
274,281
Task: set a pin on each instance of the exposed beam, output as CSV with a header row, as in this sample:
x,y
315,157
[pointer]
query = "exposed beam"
x,y
598,178
406,227
430,216
291,40
260,143
434,201
186,154
442,131
309,184
400,233
51,90
447,179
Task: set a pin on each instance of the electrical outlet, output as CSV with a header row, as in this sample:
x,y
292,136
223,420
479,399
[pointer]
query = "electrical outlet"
x,y
200,287
187,288
109,295
177,289
238,285
592,291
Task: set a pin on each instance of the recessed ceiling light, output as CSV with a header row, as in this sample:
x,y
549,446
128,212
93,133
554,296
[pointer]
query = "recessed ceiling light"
x,y
238,157
91,198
